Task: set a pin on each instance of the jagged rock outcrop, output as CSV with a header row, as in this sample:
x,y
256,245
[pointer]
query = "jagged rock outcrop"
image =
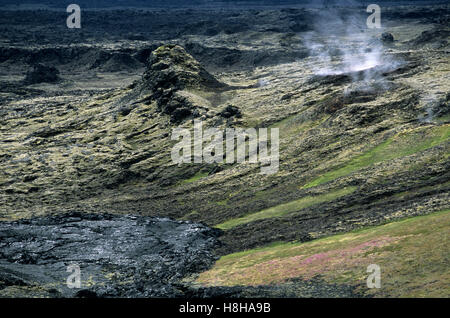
x,y
174,78
170,66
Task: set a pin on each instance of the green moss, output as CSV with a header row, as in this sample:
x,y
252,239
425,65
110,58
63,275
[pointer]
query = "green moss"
x,y
283,209
294,125
401,145
194,178
222,203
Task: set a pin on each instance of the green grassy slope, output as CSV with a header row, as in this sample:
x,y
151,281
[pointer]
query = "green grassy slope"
x,y
286,208
413,255
401,145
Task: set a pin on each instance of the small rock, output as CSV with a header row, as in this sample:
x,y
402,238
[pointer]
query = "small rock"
x,y
231,111
387,37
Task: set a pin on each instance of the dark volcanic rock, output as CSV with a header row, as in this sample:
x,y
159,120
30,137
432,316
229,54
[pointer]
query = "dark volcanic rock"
x,y
42,74
170,70
119,256
231,111
170,66
387,37
437,38
225,58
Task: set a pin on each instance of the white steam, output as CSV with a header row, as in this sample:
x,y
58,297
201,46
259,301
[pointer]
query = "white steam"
x,y
343,44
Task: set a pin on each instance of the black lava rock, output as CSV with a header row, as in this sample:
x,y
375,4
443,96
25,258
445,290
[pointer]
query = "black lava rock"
x,y
387,37
231,111
42,74
119,256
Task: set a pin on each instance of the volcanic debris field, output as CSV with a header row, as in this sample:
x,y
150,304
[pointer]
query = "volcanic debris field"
x,y
86,175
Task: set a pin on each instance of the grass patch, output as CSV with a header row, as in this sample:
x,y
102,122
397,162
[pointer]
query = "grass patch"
x,y
413,255
194,178
400,145
293,125
222,203
286,208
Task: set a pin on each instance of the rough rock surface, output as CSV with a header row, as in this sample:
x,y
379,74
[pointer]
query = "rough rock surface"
x,y
387,37
42,74
170,66
170,71
119,256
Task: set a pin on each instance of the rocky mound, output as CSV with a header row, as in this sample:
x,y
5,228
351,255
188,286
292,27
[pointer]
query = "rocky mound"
x,y
387,37
42,74
173,78
170,66
119,256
